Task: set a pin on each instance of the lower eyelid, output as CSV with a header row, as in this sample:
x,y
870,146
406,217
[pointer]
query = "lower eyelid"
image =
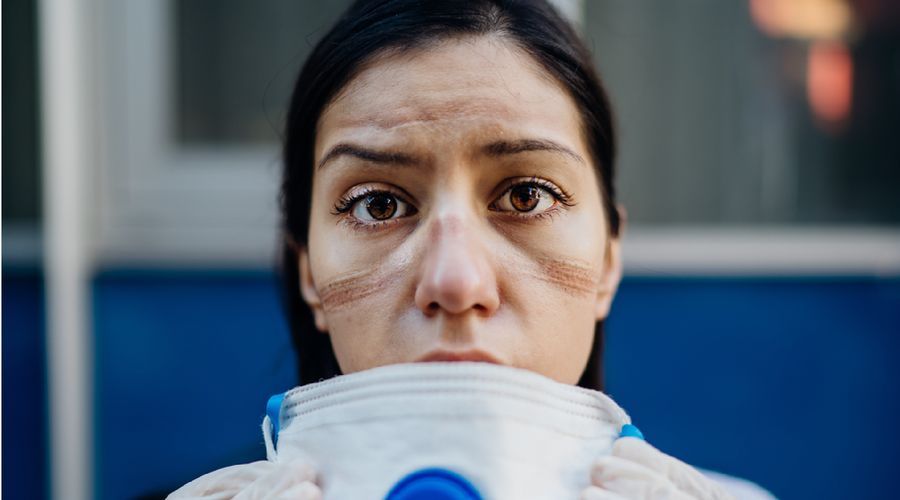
x,y
361,225
557,209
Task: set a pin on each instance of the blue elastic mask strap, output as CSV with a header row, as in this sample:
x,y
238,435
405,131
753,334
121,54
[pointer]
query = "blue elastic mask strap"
x,y
273,410
629,430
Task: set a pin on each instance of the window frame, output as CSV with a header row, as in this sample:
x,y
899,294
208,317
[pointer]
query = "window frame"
x,y
162,203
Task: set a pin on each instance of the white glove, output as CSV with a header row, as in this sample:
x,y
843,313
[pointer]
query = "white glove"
x,y
638,471
254,481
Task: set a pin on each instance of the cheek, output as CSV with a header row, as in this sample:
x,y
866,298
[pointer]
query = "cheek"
x,y
349,271
363,296
349,289
570,277
562,262
559,311
552,291
555,298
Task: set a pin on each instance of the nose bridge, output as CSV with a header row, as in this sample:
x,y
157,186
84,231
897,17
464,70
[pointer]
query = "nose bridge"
x,y
449,228
452,248
457,274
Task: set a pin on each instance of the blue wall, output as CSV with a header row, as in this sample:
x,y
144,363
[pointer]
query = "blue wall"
x,y
24,393
185,365
790,383
784,382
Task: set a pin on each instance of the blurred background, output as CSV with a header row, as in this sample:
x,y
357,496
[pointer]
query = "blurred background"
x,y
756,333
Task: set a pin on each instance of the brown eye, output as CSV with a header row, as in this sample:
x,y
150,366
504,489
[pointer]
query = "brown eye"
x,y
381,206
524,198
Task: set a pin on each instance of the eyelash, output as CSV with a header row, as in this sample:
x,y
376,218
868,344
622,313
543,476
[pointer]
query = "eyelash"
x,y
346,203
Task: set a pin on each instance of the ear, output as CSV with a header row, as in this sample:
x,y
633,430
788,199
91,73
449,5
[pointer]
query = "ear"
x,y
612,270
308,290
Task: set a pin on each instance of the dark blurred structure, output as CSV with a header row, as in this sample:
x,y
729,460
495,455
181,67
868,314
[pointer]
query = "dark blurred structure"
x,y
21,175
24,452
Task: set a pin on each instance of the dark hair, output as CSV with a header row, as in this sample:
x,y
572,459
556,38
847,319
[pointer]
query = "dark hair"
x,y
372,26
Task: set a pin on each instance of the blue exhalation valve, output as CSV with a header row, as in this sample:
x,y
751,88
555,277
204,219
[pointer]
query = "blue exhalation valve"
x,y
273,410
433,484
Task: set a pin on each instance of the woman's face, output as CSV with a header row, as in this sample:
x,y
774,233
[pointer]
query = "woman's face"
x,y
456,215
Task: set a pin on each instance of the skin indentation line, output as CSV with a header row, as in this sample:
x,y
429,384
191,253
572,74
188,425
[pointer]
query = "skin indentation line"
x,y
343,291
569,275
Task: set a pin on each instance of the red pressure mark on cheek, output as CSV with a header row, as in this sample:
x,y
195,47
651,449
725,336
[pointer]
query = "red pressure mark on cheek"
x,y
345,290
570,276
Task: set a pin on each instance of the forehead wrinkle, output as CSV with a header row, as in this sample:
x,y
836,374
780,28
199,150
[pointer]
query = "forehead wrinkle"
x,y
387,60
433,111
382,79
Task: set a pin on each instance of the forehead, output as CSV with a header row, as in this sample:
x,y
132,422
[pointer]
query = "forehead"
x,y
483,82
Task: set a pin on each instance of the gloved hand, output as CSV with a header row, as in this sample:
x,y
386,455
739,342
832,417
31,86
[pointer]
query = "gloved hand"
x,y
254,481
638,471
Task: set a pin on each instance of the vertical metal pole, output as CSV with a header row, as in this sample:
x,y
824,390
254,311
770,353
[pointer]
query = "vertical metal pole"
x,y
66,74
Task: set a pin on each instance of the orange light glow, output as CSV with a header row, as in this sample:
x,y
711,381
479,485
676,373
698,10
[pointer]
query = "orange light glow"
x,y
803,19
829,84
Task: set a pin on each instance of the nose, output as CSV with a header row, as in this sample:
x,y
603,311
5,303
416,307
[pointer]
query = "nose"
x,y
457,274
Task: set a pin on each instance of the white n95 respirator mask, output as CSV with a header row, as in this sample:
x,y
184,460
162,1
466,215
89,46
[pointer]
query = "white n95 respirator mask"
x,y
455,431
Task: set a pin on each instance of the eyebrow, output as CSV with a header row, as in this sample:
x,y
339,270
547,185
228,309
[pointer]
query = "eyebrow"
x,y
371,155
498,148
502,148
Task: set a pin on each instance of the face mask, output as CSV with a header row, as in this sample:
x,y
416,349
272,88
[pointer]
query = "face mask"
x,y
466,430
